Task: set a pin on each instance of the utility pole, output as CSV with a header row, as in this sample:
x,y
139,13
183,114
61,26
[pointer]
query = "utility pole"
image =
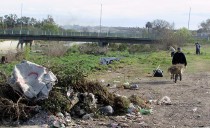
x,y
189,18
100,20
21,25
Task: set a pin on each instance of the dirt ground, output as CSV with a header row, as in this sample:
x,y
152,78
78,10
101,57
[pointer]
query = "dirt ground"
x,y
190,101
190,98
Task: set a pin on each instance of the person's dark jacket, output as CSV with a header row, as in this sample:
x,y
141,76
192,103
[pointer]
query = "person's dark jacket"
x,y
179,58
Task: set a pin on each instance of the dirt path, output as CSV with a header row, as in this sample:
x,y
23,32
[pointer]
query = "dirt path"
x,y
190,101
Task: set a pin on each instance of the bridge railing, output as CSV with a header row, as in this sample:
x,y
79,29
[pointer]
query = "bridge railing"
x,y
66,33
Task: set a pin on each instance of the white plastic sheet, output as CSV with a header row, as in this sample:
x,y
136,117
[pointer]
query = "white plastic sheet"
x,y
33,80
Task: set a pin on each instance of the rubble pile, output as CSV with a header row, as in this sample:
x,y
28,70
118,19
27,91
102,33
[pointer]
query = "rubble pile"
x,y
56,105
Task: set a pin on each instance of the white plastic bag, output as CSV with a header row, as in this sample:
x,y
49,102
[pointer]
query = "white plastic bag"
x,y
33,80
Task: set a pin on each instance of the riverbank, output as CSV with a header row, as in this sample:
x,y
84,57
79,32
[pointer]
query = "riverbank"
x,y
8,45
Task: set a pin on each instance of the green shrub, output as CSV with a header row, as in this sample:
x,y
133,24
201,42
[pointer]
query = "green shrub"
x,y
56,102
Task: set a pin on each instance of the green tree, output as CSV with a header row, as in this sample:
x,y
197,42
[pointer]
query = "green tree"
x,y
183,36
50,25
50,28
1,23
10,20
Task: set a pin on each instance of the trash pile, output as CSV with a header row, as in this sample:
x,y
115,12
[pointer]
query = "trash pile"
x,y
108,60
33,91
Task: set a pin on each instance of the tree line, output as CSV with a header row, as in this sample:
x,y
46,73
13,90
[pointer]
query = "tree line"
x,y
12,21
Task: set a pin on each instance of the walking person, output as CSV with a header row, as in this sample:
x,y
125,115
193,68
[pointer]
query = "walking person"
x,y
197,48
179,57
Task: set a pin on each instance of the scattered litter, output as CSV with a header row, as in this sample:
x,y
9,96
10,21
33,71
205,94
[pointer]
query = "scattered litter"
x,y
145,111
116,81
43,118
157,72
130,86
133,109
126,85
102,80
165,101
134,87
153,101
108,60
195,109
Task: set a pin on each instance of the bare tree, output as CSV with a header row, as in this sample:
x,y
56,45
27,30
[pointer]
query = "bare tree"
x,y
205,26
161,25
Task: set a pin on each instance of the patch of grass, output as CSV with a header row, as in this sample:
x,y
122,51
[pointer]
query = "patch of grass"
x,y
141,62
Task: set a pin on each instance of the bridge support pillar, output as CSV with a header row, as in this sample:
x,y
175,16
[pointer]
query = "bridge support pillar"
x,y
22,41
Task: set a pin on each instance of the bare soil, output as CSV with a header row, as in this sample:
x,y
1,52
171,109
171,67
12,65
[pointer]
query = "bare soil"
x,y
190,98
190,101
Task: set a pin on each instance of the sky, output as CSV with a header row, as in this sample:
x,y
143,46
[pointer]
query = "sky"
x,y
112,13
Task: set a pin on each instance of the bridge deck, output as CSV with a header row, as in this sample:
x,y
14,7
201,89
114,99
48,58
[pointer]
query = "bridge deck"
x,y
77,36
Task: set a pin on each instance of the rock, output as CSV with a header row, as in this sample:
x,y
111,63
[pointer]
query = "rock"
x,y
88,116
124,125
113,125
81,112
68,120
56,124
60,115
73,99
107,110
134,87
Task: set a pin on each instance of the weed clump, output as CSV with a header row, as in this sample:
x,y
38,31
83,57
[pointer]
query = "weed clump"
x,y
139,101
56,102
121,104
101,92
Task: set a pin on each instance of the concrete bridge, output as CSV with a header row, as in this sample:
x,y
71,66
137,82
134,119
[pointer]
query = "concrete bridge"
x,y
103,38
